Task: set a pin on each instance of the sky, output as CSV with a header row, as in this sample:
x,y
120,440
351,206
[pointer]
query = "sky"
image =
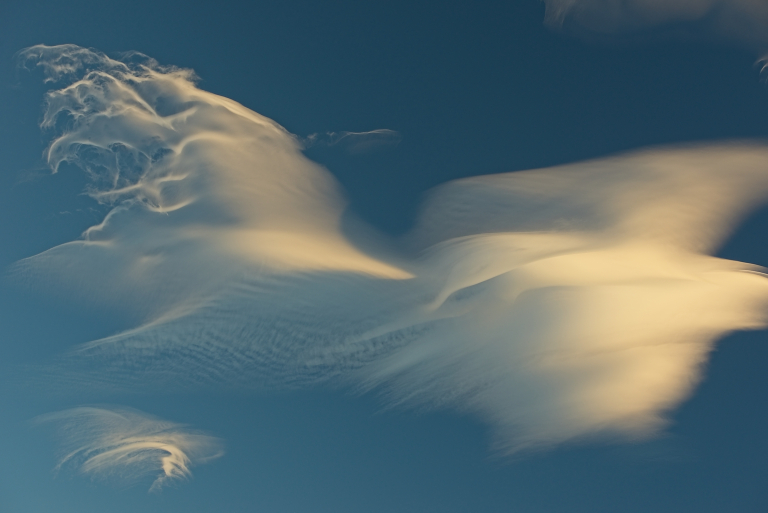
x,y
357,257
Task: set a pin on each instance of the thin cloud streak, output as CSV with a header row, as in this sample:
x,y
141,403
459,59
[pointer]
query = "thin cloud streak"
x,y
355,142
126,444
556,304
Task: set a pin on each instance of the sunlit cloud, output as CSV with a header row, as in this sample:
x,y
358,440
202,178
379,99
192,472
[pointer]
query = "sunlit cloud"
x,y
556,304
125,444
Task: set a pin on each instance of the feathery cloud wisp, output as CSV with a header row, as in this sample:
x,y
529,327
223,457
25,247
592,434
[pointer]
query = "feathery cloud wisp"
x,y
355,142
126,444
555,303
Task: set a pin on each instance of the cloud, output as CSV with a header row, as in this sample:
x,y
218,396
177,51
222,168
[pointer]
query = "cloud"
x,y
739,21
126,444
355,142
556,304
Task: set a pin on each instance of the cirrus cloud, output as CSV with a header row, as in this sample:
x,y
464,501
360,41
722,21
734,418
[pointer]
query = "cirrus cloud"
x,y
126,444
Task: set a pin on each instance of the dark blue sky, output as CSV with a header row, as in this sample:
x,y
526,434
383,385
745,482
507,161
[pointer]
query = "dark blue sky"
x,y
472,90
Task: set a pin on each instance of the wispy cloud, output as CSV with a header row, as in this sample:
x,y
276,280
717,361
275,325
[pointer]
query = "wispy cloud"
x,y
739,21
126,444
355,142
556,303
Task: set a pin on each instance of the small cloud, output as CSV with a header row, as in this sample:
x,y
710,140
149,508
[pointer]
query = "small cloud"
x,y
355,142
126,444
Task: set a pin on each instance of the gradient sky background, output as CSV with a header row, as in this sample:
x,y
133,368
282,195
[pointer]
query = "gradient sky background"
x,y
472,89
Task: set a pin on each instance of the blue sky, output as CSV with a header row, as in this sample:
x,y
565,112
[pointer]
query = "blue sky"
x,y
401,97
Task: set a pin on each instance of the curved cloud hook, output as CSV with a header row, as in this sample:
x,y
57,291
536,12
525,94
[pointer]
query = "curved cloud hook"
x,y
125,444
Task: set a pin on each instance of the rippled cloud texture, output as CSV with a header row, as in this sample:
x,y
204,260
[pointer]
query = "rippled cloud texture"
x,y
556,303
125,444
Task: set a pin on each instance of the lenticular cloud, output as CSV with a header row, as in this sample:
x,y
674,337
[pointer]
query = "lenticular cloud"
x,y
555,303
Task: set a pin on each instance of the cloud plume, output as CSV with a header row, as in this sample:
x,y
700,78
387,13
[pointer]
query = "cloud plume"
x,y
556,303
126,444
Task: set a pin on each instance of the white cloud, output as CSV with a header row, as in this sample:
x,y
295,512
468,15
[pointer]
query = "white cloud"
x,y
125,444
556,303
